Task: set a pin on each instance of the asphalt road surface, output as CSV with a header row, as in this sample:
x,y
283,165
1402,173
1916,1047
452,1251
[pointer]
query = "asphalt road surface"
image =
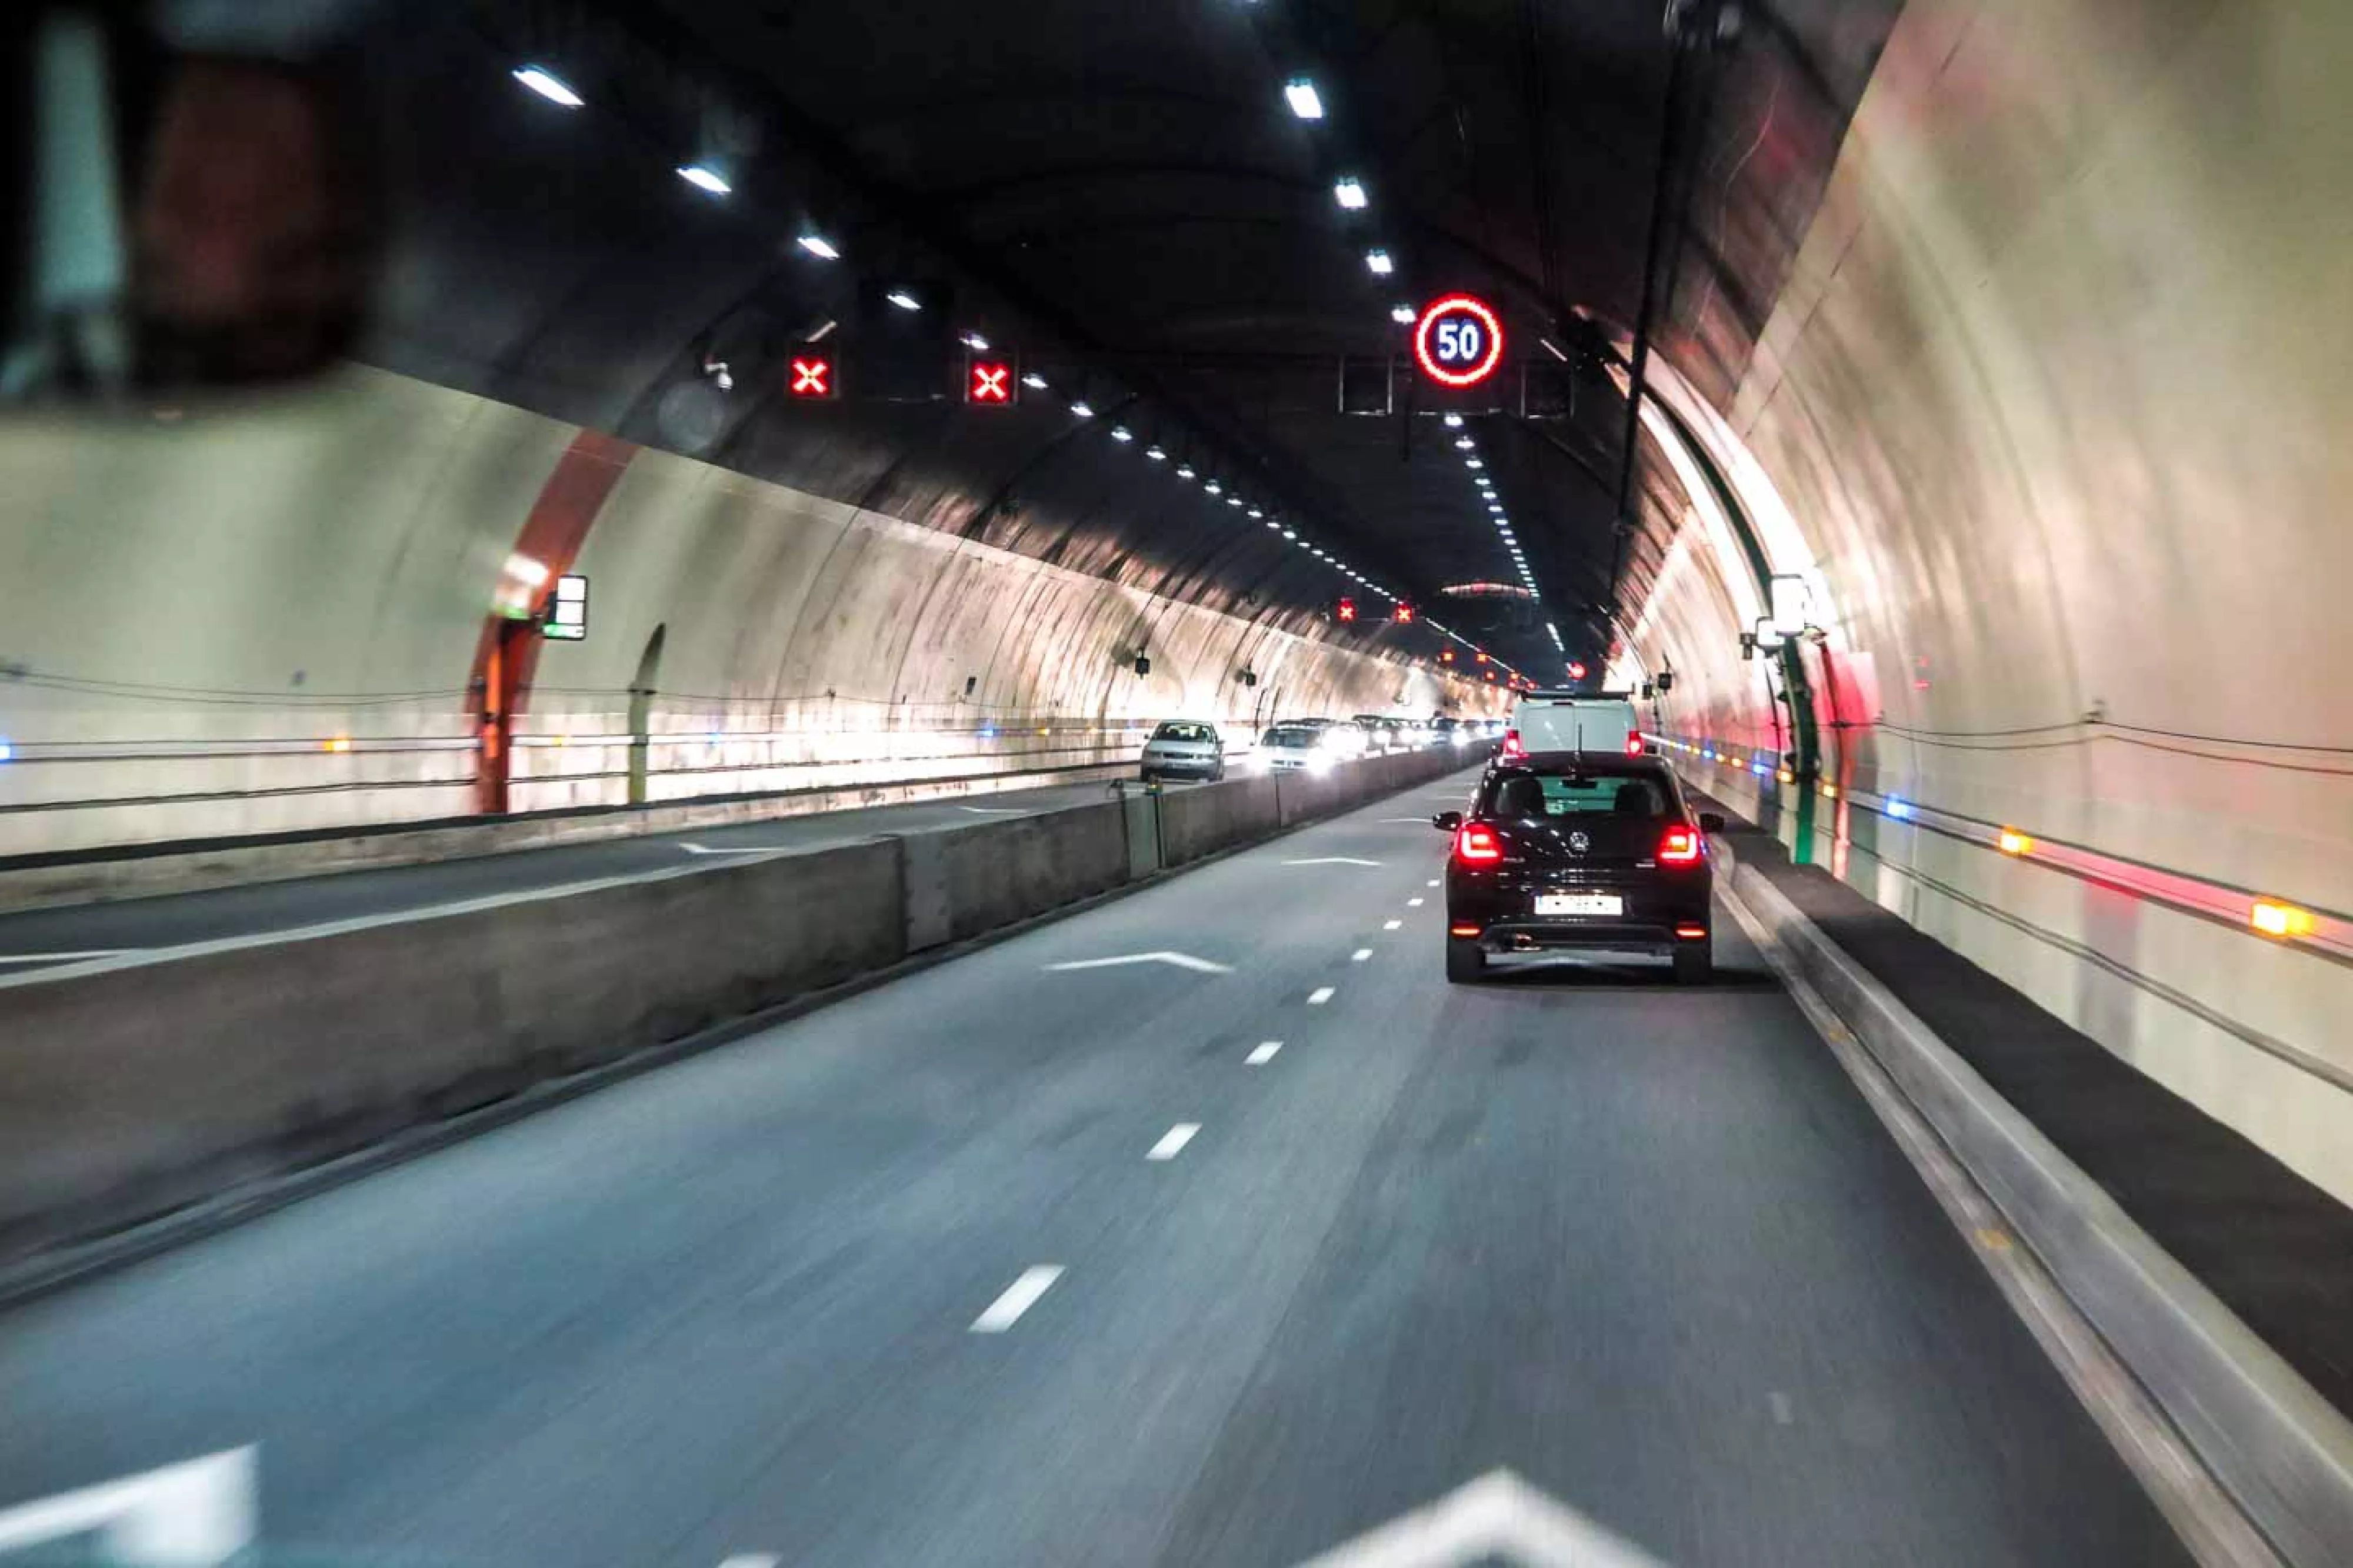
x,y
31,939
938,1275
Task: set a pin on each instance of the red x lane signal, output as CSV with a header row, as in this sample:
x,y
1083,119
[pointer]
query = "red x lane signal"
x,y
990,383
813,378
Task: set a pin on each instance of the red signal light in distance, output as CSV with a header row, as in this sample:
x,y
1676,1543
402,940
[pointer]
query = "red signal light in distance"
x,y
1446,656
990,383
1482,656
812,376
1346,610
1403,614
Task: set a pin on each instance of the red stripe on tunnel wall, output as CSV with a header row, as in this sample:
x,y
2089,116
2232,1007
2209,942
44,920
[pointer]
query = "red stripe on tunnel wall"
x,y
506,657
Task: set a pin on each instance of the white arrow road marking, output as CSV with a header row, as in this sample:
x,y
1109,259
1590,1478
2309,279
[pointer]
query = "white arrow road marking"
x,y
1019,1298
64,957
1263,1053
190,1515
1332,860
1496,1516
735,849
1172,1142
1181,960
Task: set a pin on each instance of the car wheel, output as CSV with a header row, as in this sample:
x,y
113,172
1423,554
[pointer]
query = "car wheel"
x,y
1465,959
1695,965
1219,775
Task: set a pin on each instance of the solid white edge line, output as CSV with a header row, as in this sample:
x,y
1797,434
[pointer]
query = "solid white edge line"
x,y
1172,1142
65,957
1320,995
1263,1053
2176,1480
1017,1299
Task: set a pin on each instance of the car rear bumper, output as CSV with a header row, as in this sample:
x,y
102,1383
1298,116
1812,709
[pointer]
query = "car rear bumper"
x,y
1182,767
1651,921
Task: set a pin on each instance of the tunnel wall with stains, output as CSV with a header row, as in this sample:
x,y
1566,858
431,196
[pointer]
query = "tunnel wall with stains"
x,y
2051,400
264,617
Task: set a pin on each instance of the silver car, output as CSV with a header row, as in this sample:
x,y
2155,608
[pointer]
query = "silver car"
x,y
1297,749
1182,750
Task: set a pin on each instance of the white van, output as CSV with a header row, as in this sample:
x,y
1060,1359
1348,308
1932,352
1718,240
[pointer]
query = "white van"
x,y
1574,722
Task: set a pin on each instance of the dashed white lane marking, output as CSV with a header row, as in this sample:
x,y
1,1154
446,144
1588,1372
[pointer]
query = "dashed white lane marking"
x,y
1263,1053
64,957
1332,860
1413,903
1431,883
750,1560
1320,995
1780,1404
1391,925
1019,1298
1361,954
1172,1142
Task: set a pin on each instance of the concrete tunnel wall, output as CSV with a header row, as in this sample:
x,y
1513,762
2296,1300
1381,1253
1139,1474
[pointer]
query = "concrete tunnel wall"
x,y
198,606
2048,401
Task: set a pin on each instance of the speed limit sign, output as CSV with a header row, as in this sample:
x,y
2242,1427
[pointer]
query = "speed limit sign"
x,y
1459,341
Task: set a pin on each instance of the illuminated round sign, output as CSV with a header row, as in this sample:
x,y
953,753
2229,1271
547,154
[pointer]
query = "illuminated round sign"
x,y
1459,341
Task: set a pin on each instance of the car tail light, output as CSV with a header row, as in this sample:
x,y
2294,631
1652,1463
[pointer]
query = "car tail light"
x,y
1475,843
1512,747
1690,933
1680,846
1633,745
1462,930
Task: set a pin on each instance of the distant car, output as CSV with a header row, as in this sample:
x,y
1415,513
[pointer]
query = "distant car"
x,y
1574,722
1378,738
1299,748
1184,750
1566,850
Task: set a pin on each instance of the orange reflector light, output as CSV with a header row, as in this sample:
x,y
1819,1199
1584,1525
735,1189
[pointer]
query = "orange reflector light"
x,y
2013,842
1690,932
1829,792
1462,930
1786,776
2280,919
337,743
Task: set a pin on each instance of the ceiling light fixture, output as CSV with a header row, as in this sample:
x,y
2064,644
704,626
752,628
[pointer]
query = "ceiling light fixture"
x,y
1455,422
1350,194
1122,432
976,342
1035,382
1301,94
548,85
904,300
703,179
816,245
1157,454
1378,260
1082,408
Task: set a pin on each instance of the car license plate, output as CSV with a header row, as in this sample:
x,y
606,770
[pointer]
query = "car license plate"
x,y
1579,904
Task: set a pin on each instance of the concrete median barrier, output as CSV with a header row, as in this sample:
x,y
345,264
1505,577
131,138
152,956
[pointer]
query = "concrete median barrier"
x,y
137,1087
962,882
141,1085
1198,822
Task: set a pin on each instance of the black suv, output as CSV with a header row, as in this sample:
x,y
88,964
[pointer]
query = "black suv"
x,y
1570,849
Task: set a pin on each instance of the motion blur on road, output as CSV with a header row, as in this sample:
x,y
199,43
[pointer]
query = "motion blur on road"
x,y
1354,783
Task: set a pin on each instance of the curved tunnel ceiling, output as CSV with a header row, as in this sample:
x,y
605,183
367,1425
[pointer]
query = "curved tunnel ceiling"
x,y
1121,193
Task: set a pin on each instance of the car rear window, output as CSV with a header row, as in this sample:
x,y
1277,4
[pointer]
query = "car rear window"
x,y
1576,793
1184,732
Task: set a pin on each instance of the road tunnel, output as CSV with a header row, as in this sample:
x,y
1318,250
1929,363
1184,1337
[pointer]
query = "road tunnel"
x,y
1919,412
